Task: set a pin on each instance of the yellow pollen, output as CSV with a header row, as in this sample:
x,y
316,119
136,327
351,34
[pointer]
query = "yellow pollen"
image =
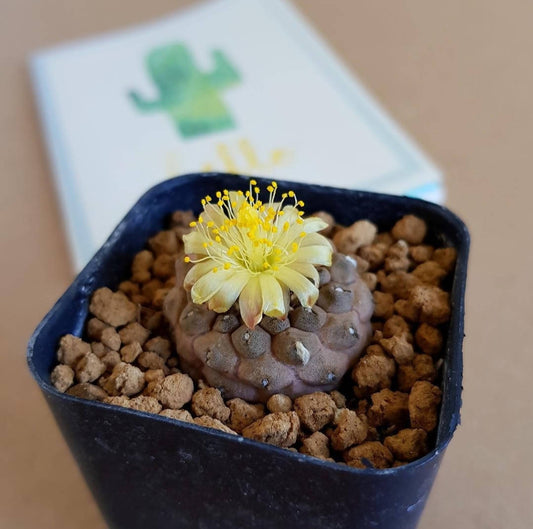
x,y
192,224
246,233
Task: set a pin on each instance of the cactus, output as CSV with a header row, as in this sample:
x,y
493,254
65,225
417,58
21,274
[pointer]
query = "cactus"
x,y
190,97
294,338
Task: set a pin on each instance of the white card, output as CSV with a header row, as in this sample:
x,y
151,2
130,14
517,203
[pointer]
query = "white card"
x,y
241,86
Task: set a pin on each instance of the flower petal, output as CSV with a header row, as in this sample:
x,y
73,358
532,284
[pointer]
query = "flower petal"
x,y
305,291
251,303
215,214
318,255
272,294
315,238
209,284
313,224
290,214
306,269
229,292
194,243
197,271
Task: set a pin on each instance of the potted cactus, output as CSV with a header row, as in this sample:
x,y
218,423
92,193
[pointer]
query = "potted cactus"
x,y
254,321
266,313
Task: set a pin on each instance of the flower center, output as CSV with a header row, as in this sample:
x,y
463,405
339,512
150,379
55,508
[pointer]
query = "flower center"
x,y
239,230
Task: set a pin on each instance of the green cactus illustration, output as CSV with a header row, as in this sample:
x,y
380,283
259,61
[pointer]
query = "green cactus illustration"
x,y
190,97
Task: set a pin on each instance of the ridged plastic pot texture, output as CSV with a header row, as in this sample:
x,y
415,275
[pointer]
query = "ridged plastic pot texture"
x,y
149,471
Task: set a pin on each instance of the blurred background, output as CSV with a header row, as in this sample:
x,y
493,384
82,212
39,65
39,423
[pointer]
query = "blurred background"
x,y
456,77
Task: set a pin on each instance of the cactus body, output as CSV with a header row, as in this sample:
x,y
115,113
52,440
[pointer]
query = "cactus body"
x,y
309,351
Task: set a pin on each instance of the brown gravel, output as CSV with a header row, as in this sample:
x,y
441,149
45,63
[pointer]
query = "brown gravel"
x,y
386,418
371,454
62,377
280,429
315,410
408,444
317,445
209,401
243,414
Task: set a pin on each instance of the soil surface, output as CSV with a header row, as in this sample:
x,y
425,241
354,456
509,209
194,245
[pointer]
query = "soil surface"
x,y
385,411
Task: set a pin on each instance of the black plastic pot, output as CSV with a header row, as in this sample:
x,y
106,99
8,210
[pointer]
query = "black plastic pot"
x,y
147,471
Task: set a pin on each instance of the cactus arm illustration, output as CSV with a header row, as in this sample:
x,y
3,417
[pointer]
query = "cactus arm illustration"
x,y
224,74
190,97
143,104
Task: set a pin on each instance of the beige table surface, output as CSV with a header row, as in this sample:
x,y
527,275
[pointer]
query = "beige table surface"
x,y
458,76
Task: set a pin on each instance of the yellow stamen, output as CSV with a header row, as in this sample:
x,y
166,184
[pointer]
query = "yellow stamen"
x,y
245,234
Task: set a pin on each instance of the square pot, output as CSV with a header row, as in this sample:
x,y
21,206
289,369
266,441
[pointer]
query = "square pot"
x,y
150,471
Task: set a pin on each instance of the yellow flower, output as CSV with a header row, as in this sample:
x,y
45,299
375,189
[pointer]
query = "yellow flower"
x,y
254,252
